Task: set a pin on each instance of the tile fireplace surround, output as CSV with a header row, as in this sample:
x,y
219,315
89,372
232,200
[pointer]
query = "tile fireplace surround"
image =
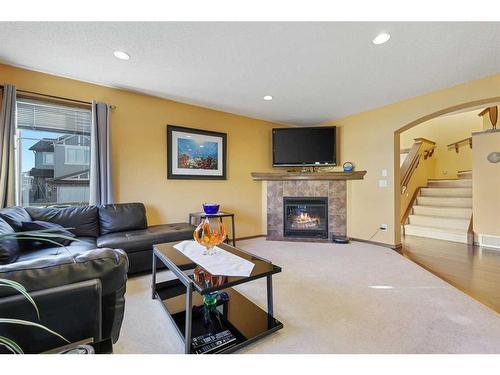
x,y
334,190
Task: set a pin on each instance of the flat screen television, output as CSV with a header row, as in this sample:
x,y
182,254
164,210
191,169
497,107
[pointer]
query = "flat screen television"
x,y
304,146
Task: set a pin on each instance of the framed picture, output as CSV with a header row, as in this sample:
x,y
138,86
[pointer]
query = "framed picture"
x,y
195,154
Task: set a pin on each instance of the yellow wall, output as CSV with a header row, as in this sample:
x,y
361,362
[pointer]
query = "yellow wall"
x,y
140,155
445,130
486,184
371,141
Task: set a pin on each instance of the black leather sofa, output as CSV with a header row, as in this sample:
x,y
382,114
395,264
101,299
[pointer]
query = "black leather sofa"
x,y
118,226
79,288
124,226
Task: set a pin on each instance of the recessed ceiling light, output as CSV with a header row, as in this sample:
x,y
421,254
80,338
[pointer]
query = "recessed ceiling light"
x,y
268,97
121,55
381,38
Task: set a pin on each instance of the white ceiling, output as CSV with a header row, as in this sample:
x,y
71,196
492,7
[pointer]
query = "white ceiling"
x,y
316,71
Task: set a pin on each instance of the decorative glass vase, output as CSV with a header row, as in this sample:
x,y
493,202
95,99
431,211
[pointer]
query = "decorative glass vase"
x,y
211,319
210,233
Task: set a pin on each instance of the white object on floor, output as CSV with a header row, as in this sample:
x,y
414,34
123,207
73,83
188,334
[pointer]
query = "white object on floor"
x,y
220,263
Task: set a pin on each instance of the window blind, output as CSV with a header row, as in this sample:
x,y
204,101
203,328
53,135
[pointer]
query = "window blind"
x,y
38,115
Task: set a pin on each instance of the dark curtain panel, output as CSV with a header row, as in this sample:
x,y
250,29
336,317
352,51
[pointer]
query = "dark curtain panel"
x,y
101,191
7,157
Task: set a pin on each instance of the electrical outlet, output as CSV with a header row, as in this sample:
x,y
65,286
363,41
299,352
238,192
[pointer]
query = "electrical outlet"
x,y
382,183
383,227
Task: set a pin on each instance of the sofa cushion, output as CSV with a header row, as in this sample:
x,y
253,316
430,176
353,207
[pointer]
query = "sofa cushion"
x,y
14,216
83,219
79,246
56,229
122,217
9,249
144,239
85,242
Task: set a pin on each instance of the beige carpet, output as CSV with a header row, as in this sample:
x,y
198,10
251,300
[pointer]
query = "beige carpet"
x,y
324,299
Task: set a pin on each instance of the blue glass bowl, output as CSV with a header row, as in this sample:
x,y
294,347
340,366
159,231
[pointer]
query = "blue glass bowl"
x,y
211,208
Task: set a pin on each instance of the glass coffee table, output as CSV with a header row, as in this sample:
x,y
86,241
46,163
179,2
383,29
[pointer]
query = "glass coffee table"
x,y
234,315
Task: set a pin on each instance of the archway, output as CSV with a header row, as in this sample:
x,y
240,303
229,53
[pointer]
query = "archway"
x,y
397,175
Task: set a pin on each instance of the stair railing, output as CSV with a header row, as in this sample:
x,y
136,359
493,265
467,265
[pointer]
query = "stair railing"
x,y
421,148
457,144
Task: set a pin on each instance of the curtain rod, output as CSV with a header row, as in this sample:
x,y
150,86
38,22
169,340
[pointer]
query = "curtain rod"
x,y
56,97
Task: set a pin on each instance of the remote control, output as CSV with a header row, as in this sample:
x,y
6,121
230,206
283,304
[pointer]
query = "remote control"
x,y
210,343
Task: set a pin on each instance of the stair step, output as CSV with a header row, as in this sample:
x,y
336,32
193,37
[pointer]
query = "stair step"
x,y
443,209
439,222
447,234
446,192
450,212
452,183
465,175
445,201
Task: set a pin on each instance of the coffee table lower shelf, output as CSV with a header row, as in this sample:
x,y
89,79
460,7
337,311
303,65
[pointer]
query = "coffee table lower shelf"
x,y
247,321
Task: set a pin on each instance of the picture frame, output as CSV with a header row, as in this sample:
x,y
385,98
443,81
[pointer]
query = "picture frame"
x,y
195,154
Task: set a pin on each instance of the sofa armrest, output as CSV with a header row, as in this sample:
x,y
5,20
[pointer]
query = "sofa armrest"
x,y
73,311
108,265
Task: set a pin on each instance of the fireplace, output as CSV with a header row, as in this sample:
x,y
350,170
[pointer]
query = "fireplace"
x,y
305,217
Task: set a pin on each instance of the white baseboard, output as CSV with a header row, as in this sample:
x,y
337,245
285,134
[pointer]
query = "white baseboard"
x,y
488,240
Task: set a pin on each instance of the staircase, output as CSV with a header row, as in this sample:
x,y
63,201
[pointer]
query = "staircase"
x,y
443,209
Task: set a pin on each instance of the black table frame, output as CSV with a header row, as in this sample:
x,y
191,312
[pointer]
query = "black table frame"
x,y
201,215
191,287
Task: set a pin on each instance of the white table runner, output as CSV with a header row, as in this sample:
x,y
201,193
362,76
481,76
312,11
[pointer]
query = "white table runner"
x,y
222,263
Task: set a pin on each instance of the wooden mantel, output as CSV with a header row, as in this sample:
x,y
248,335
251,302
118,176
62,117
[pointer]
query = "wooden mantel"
x,y
280,176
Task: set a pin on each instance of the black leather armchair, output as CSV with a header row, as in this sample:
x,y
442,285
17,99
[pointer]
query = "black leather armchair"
x,y
73,311
79,296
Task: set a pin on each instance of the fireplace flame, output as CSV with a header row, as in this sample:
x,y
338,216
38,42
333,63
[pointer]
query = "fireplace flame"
x,y
305,221
303,218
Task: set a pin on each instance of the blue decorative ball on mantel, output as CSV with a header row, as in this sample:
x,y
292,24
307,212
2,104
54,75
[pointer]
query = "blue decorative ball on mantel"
x,y
348,166
211,208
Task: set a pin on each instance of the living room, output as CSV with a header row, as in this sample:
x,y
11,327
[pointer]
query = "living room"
x,y
294,180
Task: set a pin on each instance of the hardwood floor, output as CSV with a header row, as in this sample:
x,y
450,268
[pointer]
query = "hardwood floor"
x,y
472,269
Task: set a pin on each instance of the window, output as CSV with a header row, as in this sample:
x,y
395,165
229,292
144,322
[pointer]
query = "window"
x,y
53,153
71,194
83,176
77,155
48,158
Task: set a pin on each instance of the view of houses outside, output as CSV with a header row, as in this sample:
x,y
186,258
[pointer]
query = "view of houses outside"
x,y
54,166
